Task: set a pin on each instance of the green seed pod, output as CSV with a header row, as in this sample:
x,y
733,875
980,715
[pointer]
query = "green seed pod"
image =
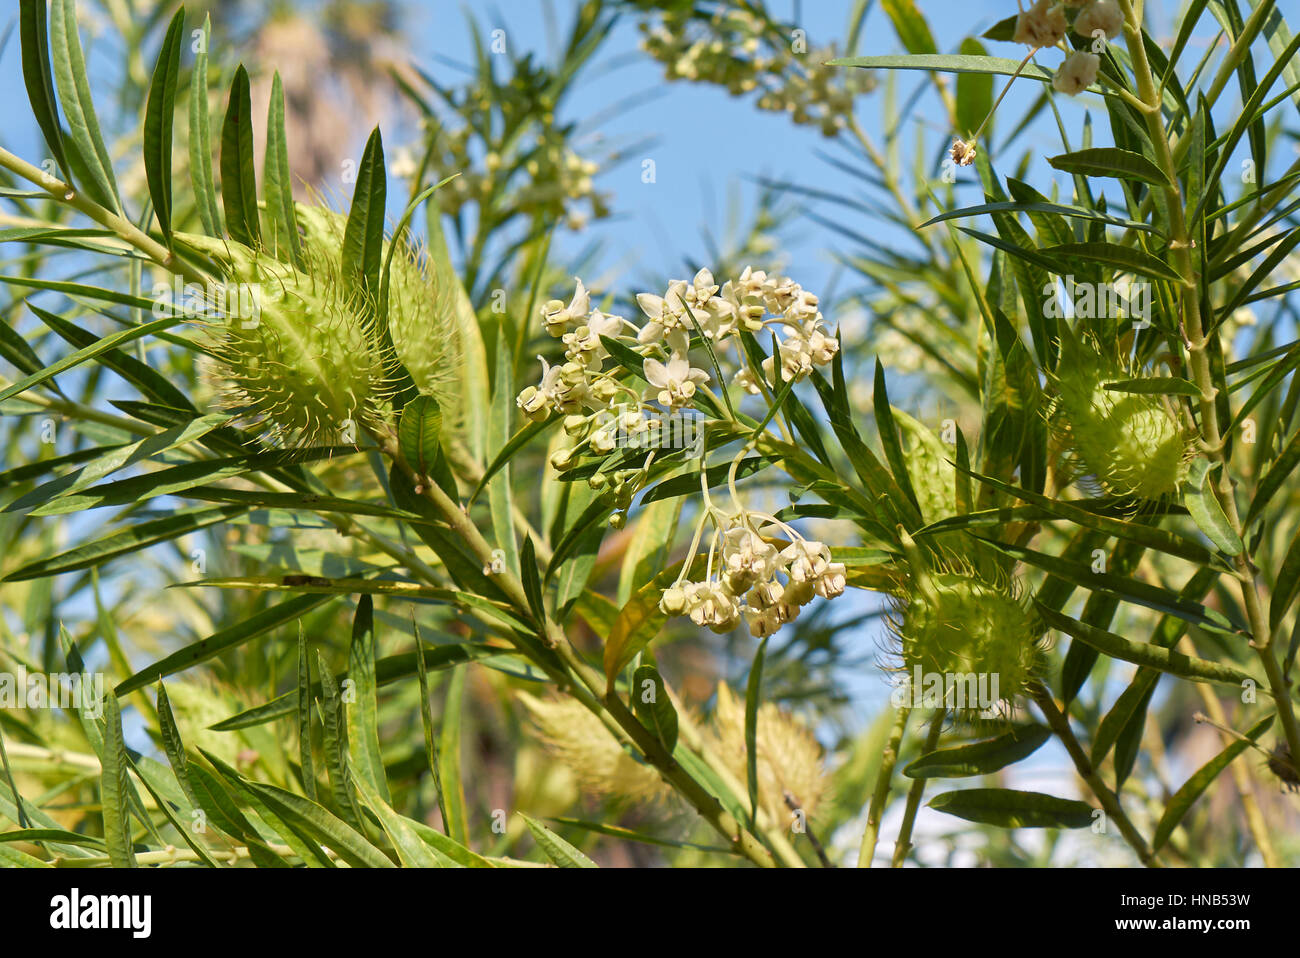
x,y
1130,443
304,363
969,635
420,313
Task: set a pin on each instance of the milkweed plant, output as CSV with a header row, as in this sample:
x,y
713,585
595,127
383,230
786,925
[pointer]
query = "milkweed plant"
x,y
367,527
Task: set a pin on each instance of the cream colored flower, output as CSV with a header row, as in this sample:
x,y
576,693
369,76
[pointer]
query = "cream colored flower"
x,y
1077,72
1103,15
673,384
558,317
1042,25
962,152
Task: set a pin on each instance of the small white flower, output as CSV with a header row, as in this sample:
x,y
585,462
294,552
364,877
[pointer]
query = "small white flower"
x,y
1042,25
673,384
558,317
746,558
534,399
664,312
1077,72
1103,15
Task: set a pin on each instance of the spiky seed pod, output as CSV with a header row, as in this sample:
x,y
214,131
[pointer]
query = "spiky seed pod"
x,y
420,313
789,758
579,740
1131,443
305,364
972,633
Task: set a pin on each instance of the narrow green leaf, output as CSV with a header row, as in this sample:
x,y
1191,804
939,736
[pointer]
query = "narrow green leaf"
x,y
1152,656
418,434
1112,254
223,640
980,758
238,176
172,744
132,539
277,182
74,94
363,712
1008,808
363,237
335,741
456,825
556,848
1191,790
114,787
200,141
1203,504
653,707
39,78
1109,161
411,850
159,118
753,695
304,716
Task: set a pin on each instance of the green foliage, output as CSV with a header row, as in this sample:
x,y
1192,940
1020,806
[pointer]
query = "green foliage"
x,y
340,519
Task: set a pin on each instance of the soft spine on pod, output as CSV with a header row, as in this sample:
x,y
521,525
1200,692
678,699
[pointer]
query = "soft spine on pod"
x,y
1131,443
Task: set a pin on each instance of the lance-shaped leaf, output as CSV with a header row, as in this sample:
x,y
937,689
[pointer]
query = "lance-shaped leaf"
x,y
1110,161
1191,790
238,175
363,236
159,117
1008,808
363,712
115,787
39,78
556,848
282,222
1203,504
200,142
1153,656
980,758
74,94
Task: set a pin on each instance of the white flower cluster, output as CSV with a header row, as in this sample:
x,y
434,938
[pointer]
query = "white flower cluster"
x,y
741,51
1045,24
752,302
599,410
745,581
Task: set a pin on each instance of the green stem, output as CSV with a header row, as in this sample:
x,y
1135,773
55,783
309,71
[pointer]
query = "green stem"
x,y
904,844
881,794
1060,725
1198,343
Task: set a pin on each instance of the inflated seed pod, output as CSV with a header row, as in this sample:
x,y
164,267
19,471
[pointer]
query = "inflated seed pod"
x,y
966,635
303,362
420,314
1131,443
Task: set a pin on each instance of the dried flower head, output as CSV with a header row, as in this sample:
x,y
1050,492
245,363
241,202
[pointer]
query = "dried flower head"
x,y
963,151
788,756
579,740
